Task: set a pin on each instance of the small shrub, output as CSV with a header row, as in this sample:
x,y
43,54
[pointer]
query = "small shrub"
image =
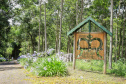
x,y
119,68
92,65
23,61
49,67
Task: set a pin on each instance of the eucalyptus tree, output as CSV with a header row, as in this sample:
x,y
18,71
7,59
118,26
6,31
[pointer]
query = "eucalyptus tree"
x,y
124,15
39,24
111,30
45,1
60,25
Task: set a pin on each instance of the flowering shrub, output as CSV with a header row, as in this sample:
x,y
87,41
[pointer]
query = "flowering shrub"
x,y
50,67
2,59
50,51
35,55
44,66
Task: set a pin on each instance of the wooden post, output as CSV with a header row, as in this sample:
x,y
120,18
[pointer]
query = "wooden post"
x,y
74,59
105,41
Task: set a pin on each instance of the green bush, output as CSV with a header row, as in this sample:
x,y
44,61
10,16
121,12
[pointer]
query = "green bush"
x,y
2,59
92,65
119,68
25,62
49,67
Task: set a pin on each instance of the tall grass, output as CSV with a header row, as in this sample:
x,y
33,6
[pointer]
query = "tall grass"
x,y
118,68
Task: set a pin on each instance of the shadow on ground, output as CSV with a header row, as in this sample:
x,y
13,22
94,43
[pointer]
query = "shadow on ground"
x,y
9,66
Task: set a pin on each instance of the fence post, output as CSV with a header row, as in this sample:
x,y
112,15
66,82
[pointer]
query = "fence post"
x,y
105,39
74,59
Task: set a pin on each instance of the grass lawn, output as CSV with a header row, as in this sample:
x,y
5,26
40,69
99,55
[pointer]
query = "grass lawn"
x,y
79,77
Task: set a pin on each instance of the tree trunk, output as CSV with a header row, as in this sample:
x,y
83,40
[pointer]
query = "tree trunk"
x,y
77,13
119,42
57,30
32,41
43,42
116,44
45,29
124,27
81,10
116,37
111,30
123,33
39,26
68,42
60,26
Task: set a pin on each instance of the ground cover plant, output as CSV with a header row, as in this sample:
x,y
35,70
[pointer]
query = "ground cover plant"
x,y
48,65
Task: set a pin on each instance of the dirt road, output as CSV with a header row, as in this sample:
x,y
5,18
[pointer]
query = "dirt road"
x,y
13,73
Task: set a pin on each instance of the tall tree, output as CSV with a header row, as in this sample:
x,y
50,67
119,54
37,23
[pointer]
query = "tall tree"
x,y
111,30
45,1
39,25
123,31
124,27
77,12
82,6
60,25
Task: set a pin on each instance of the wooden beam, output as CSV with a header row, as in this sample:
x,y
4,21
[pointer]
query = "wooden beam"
x,y
105,41
74,59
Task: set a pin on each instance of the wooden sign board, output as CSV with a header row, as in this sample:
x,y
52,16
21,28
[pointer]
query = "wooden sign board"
x,y
89,45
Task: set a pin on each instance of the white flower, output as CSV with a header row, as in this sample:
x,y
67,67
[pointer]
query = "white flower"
x,y
35,52
81,77
28,54
38,54
61,58
49,59
45,68
37,67
25,67
65,64
34,59
36,73
31,70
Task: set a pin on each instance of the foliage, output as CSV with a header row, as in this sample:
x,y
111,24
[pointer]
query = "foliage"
x,y
50,67
93,65
25,33
9,50
2,59
119,68
23,61
43,65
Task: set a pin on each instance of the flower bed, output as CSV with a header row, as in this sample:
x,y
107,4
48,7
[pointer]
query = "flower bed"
x,y
41,65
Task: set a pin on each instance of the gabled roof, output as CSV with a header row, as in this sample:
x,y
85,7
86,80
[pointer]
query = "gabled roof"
x,y
86,21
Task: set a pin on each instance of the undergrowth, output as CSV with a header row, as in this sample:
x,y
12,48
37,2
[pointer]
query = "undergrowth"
x,y
118,68
45,66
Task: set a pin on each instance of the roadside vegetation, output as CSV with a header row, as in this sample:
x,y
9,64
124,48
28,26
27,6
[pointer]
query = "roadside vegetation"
x,y
119,67
49,64
44,64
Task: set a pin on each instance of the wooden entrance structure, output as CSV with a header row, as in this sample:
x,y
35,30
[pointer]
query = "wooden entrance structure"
x,y
89,45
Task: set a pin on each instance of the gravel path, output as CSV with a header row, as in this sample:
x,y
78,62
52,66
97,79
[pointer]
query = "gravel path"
x,y
13,73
